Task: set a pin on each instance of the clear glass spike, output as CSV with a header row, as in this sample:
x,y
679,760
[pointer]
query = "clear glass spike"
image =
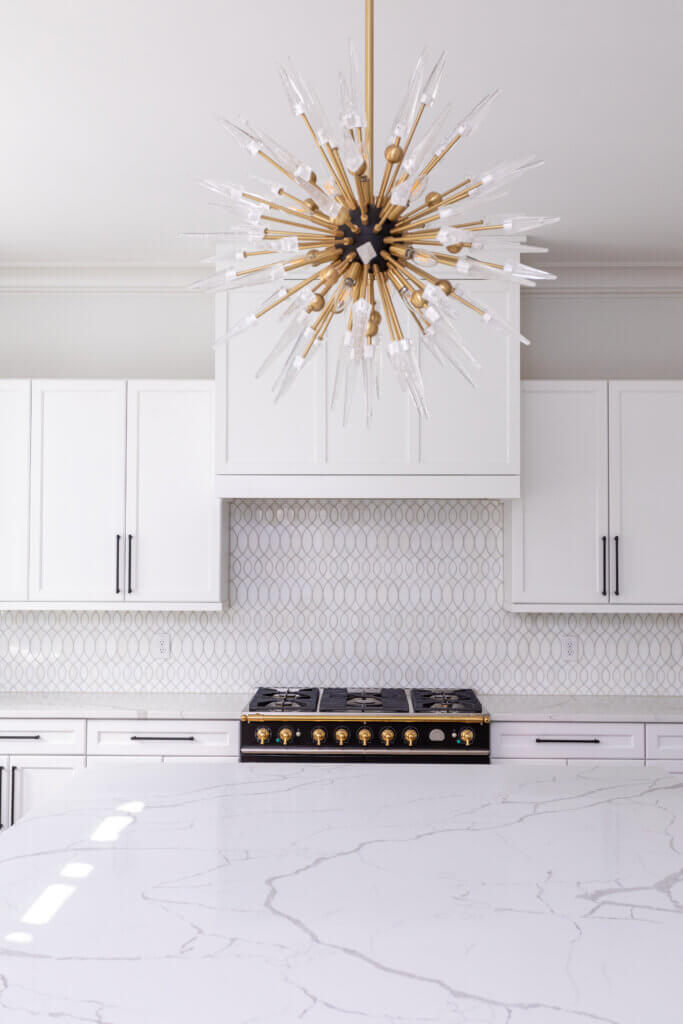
x,y
405,114
431,87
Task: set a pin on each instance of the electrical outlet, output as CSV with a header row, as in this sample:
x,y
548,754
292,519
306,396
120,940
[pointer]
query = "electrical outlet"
x,y
570,648
160,646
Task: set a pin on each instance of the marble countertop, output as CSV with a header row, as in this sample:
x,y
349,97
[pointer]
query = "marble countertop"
x,y
260,894
510,708
230,705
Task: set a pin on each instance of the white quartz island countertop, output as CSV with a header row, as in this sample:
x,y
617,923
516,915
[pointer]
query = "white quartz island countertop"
x,y
256,894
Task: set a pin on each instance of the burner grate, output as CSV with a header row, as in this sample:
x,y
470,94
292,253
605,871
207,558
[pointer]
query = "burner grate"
x,y
341,700
268,698
448,702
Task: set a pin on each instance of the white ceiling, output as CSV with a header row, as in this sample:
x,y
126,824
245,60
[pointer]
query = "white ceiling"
x,y
108,113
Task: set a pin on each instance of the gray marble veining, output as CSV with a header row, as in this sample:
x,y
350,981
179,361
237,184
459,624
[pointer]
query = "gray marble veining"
x,y
259,894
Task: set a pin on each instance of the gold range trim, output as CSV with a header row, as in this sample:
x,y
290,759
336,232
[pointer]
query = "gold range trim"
x,y
407,718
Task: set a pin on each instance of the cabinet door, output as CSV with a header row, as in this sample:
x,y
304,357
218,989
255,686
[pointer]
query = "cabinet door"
x,y
4,792
255,434
15,441
173,520
35,779
554,533
78,441
646,491
475,430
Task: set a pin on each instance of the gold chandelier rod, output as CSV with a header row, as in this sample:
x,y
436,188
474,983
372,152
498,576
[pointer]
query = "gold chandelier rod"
x,y
370,86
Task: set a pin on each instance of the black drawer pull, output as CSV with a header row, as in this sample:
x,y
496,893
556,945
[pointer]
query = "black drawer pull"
x,y
616,567
183,739
36,737
604,566
559,739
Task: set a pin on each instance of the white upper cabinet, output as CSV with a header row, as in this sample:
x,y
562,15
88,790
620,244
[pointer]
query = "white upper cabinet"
x,y
15,442
107,496
298,447
646,491
173,520
567,545
77,490
557,534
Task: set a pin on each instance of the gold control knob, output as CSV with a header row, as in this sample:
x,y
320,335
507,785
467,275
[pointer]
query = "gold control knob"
x,y
341,736
263,735
364,736
409,736
387,736
285,736
319,737
467,736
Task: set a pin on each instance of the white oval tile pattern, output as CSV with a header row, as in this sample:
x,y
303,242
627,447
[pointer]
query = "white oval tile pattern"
x,y
359,592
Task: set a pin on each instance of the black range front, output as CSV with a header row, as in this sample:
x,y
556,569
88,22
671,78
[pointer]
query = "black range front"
x,y
364,726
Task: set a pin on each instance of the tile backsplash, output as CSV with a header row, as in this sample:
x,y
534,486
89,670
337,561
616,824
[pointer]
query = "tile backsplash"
x,y
359,592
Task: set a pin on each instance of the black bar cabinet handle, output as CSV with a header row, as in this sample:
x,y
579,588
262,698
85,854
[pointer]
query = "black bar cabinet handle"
x,y
130,563
118,563
543,739
604,566
183,739
616,566
13,783
36,736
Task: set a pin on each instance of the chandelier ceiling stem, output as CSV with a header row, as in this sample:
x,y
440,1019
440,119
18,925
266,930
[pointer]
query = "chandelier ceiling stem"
x,y
370,87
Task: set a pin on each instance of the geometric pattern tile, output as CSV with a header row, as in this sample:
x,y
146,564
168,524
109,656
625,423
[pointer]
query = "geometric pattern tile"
x,y
368,593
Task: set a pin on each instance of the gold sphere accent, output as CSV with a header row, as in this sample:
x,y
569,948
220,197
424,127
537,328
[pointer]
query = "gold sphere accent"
x,y
371,330
376,317
310,204
328,272
455,249
341,736
393,154
417,300
263,735
445,286
285,736
317,303
432,198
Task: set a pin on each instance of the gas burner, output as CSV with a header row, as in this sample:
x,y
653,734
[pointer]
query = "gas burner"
x,y
267,698
449,702
340,700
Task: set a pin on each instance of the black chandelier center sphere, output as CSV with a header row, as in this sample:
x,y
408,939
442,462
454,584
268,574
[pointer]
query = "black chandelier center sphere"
x,y
368,241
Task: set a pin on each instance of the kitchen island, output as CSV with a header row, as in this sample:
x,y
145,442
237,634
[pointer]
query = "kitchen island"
x,y
259,893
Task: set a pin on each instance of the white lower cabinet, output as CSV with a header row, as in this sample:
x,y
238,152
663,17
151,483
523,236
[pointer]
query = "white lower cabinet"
x,y
33,780
574,740
163,738
664,744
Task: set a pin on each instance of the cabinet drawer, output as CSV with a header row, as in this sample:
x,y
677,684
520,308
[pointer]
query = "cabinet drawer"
x,y
576,740
664,741
42,736
184,738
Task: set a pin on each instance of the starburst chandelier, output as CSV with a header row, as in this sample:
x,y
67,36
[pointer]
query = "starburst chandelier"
x,y
369,259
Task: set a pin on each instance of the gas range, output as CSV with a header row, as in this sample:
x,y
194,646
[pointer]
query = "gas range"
x,y
340,724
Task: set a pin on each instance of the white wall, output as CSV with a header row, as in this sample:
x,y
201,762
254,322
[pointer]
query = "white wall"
x,y
98,322
603,336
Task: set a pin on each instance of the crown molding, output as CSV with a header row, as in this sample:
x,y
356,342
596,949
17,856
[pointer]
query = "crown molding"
x,y
624,279
88,278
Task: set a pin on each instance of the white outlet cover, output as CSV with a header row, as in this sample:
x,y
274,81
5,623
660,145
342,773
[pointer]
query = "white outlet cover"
x,y
570,648
160,646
